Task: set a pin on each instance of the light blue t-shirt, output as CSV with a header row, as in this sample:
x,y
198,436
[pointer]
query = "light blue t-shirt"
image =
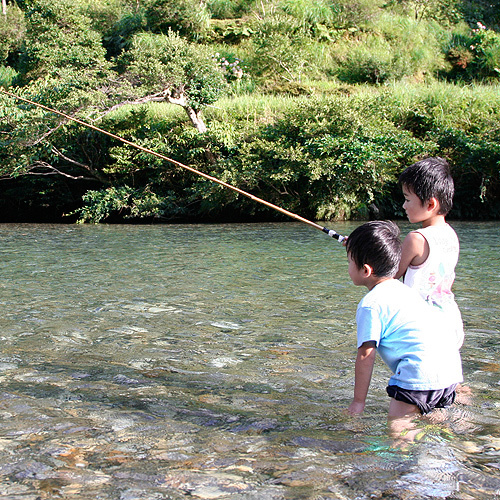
x,y
410,337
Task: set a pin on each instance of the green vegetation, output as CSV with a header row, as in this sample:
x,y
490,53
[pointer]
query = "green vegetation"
x,y
314,105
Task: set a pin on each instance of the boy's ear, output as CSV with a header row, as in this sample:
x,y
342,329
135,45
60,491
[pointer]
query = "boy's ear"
x,y
432,204
367,270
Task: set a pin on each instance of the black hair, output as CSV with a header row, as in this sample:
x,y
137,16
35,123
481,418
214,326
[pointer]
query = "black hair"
x,y
377,244
430,178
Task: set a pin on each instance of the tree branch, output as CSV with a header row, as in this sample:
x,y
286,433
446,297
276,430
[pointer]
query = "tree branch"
x,y
158,97
96,175
49,132
51,170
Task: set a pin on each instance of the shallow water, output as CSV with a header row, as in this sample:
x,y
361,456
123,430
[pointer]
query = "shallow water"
x,y
215,361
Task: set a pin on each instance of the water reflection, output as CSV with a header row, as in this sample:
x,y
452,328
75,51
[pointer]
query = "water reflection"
x,y
215,362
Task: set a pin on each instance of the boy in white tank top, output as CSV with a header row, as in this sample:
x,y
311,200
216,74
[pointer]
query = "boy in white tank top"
x,y
430,254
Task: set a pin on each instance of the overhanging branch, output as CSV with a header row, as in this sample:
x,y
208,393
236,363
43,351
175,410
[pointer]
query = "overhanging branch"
x,y
158,97
51,170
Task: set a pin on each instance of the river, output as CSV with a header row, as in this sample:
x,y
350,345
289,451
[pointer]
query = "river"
x,y
216,362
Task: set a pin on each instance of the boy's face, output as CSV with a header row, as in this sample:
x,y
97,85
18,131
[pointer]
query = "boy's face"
x,y
355,273
416,211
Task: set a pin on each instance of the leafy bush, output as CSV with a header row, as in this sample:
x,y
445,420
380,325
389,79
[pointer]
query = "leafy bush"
x,y
118,37
229,9
445,12
372,61
118,203
282,48
476,172
7,76
330,154
190,18
169,62
463,123
485,12
474,54
326,158
396,48
12,32
312,12
59,40
230,31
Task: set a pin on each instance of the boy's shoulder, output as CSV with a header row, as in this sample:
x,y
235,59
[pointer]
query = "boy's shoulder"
x,y
442,229
391,291
392,298
442,235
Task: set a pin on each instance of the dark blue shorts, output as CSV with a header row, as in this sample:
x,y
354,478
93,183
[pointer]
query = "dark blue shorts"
x,y
425,400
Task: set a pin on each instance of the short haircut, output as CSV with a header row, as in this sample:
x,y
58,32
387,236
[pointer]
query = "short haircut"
x,y
430,178
377,244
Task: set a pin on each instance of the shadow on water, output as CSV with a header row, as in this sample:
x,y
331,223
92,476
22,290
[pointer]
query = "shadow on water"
x,y
216,361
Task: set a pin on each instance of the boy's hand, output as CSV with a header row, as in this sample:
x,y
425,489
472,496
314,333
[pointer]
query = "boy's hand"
x,y
356,408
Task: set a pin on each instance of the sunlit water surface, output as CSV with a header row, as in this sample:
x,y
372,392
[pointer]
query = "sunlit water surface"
x,y
215,361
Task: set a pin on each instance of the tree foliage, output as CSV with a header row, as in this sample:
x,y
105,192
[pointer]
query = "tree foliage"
x,y
169,63
59,41
177,71
474,53
333,150
190,18
328,158
12,32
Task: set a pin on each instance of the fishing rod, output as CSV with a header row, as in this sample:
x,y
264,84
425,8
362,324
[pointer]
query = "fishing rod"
x,y
329,232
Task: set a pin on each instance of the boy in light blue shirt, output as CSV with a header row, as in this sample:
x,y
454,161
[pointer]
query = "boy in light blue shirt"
x,y
394,320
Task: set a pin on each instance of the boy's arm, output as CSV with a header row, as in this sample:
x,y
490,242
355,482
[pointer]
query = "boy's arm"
x,y
415,251
363,375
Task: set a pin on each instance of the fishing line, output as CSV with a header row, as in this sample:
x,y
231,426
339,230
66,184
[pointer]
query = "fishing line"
x,y
329,232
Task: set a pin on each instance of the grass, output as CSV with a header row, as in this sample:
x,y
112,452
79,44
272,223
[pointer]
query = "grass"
x,y
466,107
7,76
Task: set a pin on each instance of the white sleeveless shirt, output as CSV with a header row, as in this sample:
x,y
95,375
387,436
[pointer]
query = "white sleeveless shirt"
x,y
434,278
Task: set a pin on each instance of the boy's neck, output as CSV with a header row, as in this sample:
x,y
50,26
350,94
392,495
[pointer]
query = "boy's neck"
x,y
373,281
435,220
